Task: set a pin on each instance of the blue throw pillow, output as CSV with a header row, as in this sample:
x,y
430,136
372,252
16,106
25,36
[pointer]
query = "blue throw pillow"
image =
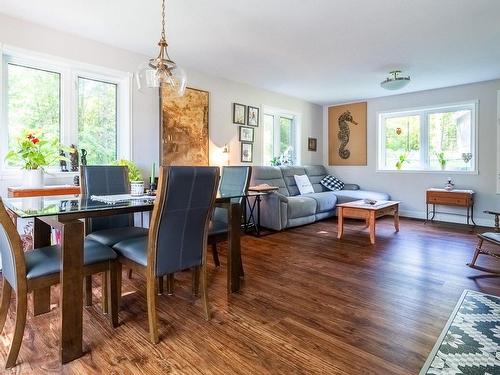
x,y
332,183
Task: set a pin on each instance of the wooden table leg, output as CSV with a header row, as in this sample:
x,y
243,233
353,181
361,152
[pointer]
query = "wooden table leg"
x,y
396,219
41,238
340,225
372,227
234,262
71,290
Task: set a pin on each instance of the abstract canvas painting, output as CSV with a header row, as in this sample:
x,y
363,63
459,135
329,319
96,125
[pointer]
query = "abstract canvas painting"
x,y
347,134
184,133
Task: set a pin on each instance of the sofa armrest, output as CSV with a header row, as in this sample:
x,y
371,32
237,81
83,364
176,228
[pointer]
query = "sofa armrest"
x,y
271,210
351,187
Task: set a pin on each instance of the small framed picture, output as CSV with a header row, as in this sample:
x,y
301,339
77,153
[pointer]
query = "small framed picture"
x,y
239,113
246,134
312,144
246,152
253,116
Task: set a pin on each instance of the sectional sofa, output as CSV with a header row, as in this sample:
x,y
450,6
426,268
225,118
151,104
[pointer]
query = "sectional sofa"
x,y
287,208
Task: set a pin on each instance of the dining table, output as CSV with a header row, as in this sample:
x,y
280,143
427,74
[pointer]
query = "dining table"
x,y
65,214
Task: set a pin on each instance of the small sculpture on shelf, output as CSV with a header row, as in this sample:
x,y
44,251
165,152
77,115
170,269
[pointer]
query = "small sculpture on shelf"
x,y
62,161
84,157
76,180
74,159
449,186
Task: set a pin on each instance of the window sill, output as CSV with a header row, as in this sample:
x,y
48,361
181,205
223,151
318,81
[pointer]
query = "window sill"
x,y
49,175
427,171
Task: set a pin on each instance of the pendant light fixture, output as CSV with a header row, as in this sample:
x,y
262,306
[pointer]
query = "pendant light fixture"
x,y
161,71
395,81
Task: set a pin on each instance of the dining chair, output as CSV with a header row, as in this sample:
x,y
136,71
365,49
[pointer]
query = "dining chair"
x,y
491,238
234,178
24,272
178,236
108,230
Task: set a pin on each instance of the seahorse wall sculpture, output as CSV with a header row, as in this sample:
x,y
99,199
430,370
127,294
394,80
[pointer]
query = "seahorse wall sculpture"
x,y
344,133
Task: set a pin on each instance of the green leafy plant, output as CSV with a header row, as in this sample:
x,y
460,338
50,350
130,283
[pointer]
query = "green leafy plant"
x,y
134,173
33,151
403,158
441,159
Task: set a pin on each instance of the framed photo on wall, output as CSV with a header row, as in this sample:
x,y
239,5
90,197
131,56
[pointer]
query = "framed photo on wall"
x,y
253,116
246,134
239,113
312,144
246,152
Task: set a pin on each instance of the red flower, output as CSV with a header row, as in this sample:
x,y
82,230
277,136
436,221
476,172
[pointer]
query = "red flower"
x,y
30,136
35,140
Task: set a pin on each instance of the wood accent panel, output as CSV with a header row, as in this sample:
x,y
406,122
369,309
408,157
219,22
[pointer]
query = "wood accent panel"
x,y
18,192
310,304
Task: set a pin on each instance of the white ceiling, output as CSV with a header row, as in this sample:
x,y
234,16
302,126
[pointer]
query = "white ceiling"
x,y
324,51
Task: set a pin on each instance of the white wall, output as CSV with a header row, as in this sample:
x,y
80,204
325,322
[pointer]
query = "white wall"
x,y
408,187
145,107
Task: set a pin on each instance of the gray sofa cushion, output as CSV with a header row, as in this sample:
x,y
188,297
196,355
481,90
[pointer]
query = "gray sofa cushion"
x,y
345,196
269,175
300,206
288,173
316,173
325,201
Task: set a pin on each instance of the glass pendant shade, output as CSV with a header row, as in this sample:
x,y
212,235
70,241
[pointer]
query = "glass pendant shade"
x,y
173,79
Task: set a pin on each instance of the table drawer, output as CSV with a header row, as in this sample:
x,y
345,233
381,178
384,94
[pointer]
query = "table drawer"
x,y
450,200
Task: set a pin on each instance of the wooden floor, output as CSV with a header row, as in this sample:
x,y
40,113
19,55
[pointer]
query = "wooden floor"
x,y
310,304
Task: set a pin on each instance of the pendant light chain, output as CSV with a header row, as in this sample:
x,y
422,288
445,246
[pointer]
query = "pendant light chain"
x,y
163,21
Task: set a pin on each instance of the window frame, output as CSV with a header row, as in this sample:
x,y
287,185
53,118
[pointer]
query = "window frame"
x,y
423,113
295,132
69,72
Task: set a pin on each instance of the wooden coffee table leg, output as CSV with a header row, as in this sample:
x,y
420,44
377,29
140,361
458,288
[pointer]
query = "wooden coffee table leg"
x,y
372,227
396,219
340,226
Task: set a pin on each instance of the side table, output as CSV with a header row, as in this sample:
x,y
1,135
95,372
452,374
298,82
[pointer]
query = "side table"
x,y
456,198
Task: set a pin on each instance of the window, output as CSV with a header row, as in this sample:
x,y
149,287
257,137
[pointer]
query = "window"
x,y
280,138
33,102
429,139
87,107
97,120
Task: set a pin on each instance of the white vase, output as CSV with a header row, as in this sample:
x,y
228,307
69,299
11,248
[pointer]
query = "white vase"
x,y
136,188
33,178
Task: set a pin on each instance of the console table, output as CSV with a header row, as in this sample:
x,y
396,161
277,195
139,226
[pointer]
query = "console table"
x,y
18,192
456,198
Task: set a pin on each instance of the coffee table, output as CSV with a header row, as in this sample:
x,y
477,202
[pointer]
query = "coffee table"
x,y
361,210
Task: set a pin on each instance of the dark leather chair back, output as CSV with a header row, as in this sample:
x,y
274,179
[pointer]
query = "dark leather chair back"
x,y
234,179
180,220
13,263
105,180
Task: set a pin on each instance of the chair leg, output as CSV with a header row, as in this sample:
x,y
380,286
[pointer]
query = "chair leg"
x,y
195,280
204,291
5,302
170,284
160,285
476,253
112,299
88,290
130,273
104,292
151,298
119,275
21,311
215,253
41,301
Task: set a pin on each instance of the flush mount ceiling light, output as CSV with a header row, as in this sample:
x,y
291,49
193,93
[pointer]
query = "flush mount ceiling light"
x,y
161,71
395,81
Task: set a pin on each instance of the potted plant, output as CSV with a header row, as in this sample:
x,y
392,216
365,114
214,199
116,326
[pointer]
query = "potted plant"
x,y
33,152
134,176
441,159
403,158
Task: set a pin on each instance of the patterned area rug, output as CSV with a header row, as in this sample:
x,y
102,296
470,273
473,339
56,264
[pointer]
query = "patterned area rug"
x,y
470,341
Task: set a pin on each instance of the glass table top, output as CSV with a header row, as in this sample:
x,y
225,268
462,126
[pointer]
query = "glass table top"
x,y
70,204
